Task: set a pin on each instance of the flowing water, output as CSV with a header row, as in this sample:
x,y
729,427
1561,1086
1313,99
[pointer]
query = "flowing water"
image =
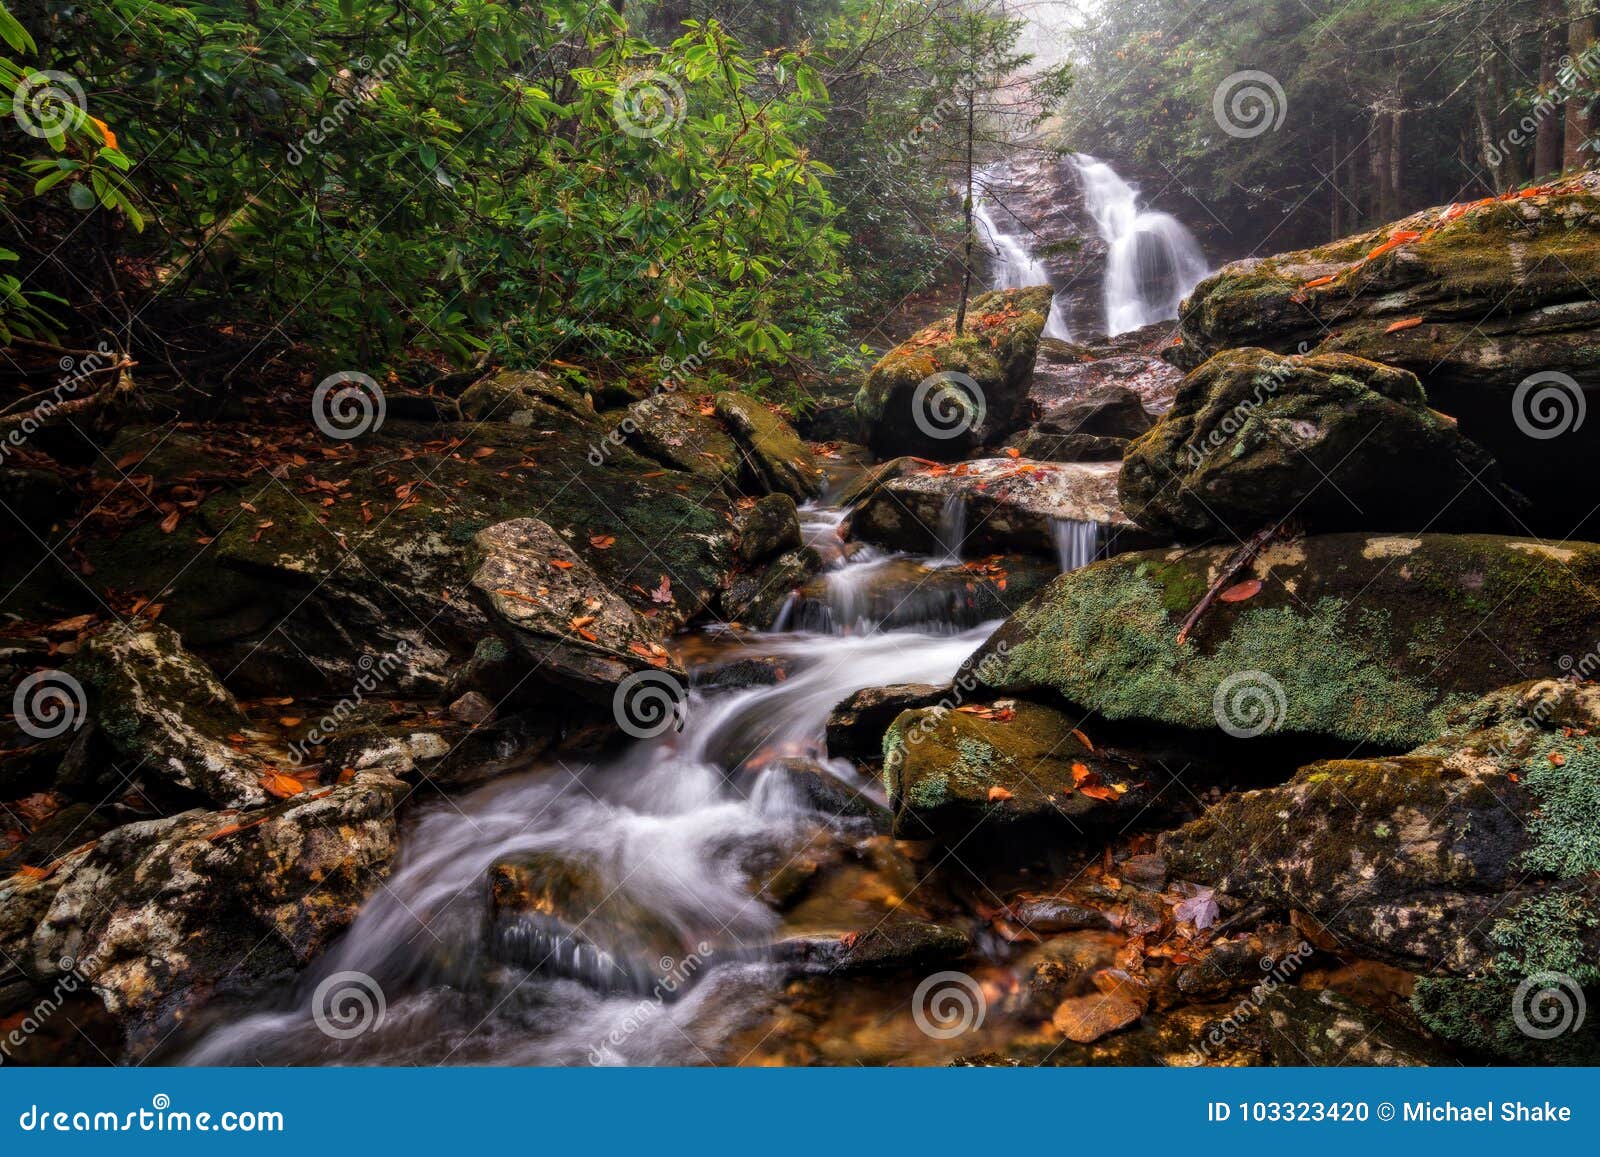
x,y
1077,542
1152,261
1012,263
670,832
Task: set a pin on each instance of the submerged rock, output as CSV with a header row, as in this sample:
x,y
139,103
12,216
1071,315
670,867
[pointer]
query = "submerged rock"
x,y
940,396
1336,441
1367,638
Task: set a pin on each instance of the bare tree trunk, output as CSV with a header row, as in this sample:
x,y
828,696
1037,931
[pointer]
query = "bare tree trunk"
x,y
966,216
1547,138
1580,38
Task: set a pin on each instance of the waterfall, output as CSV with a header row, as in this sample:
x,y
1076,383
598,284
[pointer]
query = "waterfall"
x,y
1077,542
952,527
1152,261
1012,263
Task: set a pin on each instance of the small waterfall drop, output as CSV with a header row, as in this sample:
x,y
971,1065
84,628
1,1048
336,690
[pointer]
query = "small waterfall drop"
x,y
1152,261
1012,263
952,528
1077,542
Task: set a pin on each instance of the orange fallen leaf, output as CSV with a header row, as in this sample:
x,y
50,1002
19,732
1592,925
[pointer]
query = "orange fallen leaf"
x,y
602,541
1082,738
560,564
1407,323
1239,592
280,785
1321,281
998,793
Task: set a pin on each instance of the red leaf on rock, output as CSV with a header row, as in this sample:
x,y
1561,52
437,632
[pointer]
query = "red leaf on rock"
x,y
1239,592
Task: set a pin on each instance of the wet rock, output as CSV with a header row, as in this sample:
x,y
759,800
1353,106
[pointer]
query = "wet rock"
x,y
1006,505
1050,915
1338,441
1062,967
1500,292
1065,374
1096,428
890,945
1085,1019
813,786
770,527
755,598
774,454
677,431
856,726
903,592
164,717
529,398
1367,638
560,915
917,399
557,613
1259,960
1144,871
948,771
158,916
745,671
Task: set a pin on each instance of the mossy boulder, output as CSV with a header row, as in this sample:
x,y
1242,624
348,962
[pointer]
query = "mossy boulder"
x,y
990,505
163,720
157,917
553,610
775,458
1467,860
950,770
1489,294
757,596
681,432
1338,442
526,398
768,527
940,396
1367,638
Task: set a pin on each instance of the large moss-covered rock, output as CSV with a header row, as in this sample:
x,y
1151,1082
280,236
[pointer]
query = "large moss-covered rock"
x,y
1499,291
158,916
1337,441
1367,638
1468,858
989,505
948,771
775,457
525,398
919,398
678,431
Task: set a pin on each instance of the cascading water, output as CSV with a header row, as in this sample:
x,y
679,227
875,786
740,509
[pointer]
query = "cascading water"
x,y
1012,264
952,527
1152,261
1077,542
666,832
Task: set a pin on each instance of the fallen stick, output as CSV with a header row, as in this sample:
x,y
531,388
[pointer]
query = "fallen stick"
x,y
1240,559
